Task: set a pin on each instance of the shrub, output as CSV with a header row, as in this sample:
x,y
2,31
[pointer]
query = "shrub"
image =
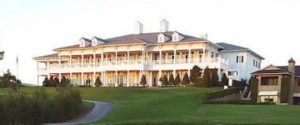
x,y
40,107
195,74
9,80
215,78
1,55
185,80
224,80
165,80
242,83
143,80
171,80
206,78
222,93
177,80
98,82
253,89
284,92
46,82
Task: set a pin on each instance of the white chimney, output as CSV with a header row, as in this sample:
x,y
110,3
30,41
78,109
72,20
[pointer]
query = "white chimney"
x,y
138,28
164,25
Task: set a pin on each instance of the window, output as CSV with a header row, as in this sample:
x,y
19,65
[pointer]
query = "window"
x,y
253,62
269,80
240,59
298,82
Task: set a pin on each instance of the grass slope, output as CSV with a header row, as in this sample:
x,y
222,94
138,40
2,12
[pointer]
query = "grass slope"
x,y
181,106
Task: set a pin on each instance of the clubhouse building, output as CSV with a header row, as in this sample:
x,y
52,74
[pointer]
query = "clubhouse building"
x,y
122,60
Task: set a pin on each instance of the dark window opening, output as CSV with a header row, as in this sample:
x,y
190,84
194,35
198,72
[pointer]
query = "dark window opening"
x,y
269,80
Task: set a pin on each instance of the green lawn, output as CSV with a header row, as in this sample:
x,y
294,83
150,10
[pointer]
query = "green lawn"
x,y
181,106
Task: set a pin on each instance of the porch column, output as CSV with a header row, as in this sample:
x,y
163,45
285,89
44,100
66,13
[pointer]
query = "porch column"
x,y
189,59
140,76
128,84
116,58
204,54
159,75
219,74
82,78
38,80
70,61
102,58
59,67
71,77
81,60
94,79
174,61
94,60
128,55
116,80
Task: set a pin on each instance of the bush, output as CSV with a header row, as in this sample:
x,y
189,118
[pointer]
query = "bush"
x,y
253,89
195,74
10,81
40,107
284,92
46,82
98,82
171,80
185,80
224,80
206,78
215,78
222,93
143,80
242,83
165,80
177,80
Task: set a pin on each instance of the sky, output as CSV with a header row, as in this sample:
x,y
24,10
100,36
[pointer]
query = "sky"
x,y
30,28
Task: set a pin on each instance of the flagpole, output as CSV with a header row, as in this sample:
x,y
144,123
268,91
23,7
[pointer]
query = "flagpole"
x,y
17,63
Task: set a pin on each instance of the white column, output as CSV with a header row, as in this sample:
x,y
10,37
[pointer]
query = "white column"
x,y
81,60
71,77
159,75
160,57
59,67
94,60
102,58
189,59
143,57
70,61
174,56
82,78
128,55
219,74
116,80
204,54
128,84
116,58
38,80
94,79
140,76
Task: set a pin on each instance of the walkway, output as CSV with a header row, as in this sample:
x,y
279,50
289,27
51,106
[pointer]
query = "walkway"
x,y
100,110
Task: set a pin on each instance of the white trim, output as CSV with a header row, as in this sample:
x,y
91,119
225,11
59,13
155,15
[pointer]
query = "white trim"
x,y
296,95
268,93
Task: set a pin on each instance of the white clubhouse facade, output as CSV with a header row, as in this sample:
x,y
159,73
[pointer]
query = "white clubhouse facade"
x,y
121,61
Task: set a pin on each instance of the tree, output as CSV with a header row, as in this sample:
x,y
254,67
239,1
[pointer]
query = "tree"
x,y
171,80
9,80
224,80
214,78
206,78
165,80
56,81
253,89
185,80
195,74
1,55
64,82
143,81
177,80
46,82
98,82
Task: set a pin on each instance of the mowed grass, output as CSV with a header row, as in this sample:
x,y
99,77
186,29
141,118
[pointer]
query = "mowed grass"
x,y
180,106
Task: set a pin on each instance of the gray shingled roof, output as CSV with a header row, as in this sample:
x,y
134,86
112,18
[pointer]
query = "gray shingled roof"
x,y
280,70
47,56
143,38
228,46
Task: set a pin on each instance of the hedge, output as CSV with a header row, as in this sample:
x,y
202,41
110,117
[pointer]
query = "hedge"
x,y
254,89
222,93
284,93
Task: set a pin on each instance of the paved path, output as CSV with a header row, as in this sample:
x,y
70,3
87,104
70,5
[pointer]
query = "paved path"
x,y
100,110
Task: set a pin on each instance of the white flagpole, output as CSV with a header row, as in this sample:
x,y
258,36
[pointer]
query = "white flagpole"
x,y
17,62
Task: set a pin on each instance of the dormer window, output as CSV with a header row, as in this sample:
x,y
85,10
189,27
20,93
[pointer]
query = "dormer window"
x,y
83,42
161,38
97,41
176,37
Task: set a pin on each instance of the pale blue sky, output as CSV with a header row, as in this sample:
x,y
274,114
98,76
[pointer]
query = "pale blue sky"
x,y
32,28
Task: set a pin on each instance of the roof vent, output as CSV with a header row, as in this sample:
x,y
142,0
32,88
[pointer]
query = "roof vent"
x,y
138,29
164,25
